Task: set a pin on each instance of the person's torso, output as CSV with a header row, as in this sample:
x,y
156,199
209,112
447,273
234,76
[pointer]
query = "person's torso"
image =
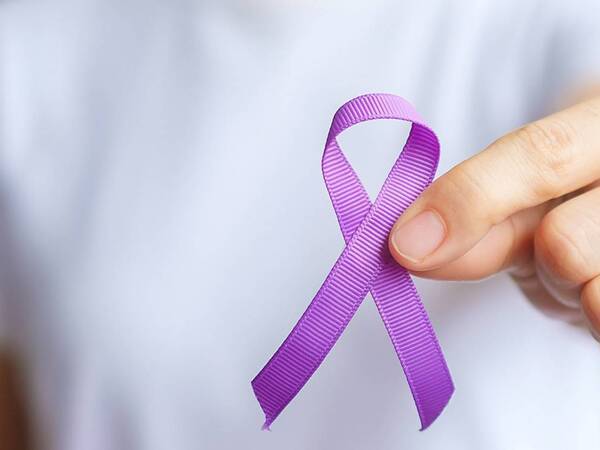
x,y
164,222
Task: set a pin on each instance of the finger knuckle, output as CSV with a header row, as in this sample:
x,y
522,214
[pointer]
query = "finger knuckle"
x,y
549,146
561,245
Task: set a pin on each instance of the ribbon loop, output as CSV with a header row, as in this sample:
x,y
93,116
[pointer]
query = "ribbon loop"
x,y
364,266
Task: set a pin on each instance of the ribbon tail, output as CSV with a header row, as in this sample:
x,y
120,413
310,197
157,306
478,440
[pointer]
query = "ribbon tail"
x,y
414,341
321,325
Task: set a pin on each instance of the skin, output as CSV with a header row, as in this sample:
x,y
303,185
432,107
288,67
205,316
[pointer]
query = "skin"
x,y
529,205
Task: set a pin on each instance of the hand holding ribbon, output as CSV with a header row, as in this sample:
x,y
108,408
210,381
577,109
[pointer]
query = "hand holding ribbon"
x,y
365,265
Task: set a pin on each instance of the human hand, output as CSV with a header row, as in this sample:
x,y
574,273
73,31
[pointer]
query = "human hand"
x,y
529,204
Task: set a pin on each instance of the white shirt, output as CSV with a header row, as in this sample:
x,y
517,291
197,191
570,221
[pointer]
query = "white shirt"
x,y
164,222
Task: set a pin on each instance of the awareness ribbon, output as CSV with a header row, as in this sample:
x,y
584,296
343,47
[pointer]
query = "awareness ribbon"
x,y
365,265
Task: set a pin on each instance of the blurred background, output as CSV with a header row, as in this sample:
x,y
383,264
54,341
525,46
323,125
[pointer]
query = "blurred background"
x,y
163,221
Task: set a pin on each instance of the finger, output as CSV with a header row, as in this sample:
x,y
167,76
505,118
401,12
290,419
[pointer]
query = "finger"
x,y
507,245
590,302
539,162
567,247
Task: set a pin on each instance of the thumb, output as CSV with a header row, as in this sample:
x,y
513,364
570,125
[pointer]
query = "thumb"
x,y
507,245
526,168
456,212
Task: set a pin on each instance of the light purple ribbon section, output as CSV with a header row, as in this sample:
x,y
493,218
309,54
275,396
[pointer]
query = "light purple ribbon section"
x,y
365,265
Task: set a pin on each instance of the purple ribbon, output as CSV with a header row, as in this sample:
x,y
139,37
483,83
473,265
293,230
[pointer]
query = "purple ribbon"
x,y
365,265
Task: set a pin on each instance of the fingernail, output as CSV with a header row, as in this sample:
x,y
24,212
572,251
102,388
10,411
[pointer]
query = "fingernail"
x,y
420,236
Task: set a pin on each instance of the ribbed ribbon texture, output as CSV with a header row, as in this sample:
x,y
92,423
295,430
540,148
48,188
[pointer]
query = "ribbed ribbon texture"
x,y
365,265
